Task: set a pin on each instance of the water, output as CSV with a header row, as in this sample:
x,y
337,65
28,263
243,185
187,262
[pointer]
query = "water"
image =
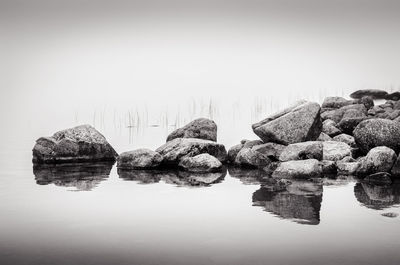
x,y
94,214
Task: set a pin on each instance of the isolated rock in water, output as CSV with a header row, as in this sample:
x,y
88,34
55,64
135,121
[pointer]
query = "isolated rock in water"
x,y
174,150
309,168
393,96
374,93
271,150
139,159
301,151
248,157
297,123
79,144
390,215
200,163
345,138
379,178
201,128
351,118
233,151
251,143
335,102
378,159
377,132
324,137
335,151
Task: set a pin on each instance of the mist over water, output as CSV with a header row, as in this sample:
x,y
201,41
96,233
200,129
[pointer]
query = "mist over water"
x,y
136,70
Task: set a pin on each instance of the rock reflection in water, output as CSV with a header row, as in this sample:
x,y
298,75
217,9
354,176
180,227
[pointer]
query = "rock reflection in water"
x,y
248,176
378,196
82,176
300,201
175,177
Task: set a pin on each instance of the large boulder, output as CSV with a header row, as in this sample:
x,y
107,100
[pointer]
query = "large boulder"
x,y
139,159
200,163
377,132
335,151
374,93
378,159
301,151
201,128
79,144
298,123
174,150
310,168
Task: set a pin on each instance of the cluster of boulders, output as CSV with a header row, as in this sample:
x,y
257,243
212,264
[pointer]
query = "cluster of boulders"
x,y
306,140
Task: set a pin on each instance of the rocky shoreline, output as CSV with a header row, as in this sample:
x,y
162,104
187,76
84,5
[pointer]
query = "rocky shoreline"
x,y
305,141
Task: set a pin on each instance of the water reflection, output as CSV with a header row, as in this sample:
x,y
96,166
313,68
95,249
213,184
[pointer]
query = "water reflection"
x,y
249,176
378,196
175,177
82,176
299,201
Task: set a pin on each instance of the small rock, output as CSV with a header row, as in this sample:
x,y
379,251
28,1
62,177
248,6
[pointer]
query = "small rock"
x,y
200,163
390,215
248,157
347,168
309,168
345,138
139,159
351,118
378,159
328,167
271,150
329,127
301,151
335,151
233,151
324,137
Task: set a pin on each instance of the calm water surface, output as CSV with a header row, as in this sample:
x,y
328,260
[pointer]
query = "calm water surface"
x,y
94,214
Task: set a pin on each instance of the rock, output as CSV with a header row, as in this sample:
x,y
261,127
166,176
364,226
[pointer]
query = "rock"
x,y
393,96
374,93
79,144
345,138
335,102
201,128
367,101
233,151
324,137
351,118
301,151
271,150
396,105
335,115
309,168
139,159
174,150
200,163
379,178
377,132
390,215
394,114
328,167
251,143
347,168
378,159
329,127
335,151
297,123
248,157
396,168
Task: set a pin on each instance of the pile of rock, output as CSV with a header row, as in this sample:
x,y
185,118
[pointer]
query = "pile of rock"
x,y
305,140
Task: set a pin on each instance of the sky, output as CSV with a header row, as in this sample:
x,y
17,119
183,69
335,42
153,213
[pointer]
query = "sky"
x,y
61,55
